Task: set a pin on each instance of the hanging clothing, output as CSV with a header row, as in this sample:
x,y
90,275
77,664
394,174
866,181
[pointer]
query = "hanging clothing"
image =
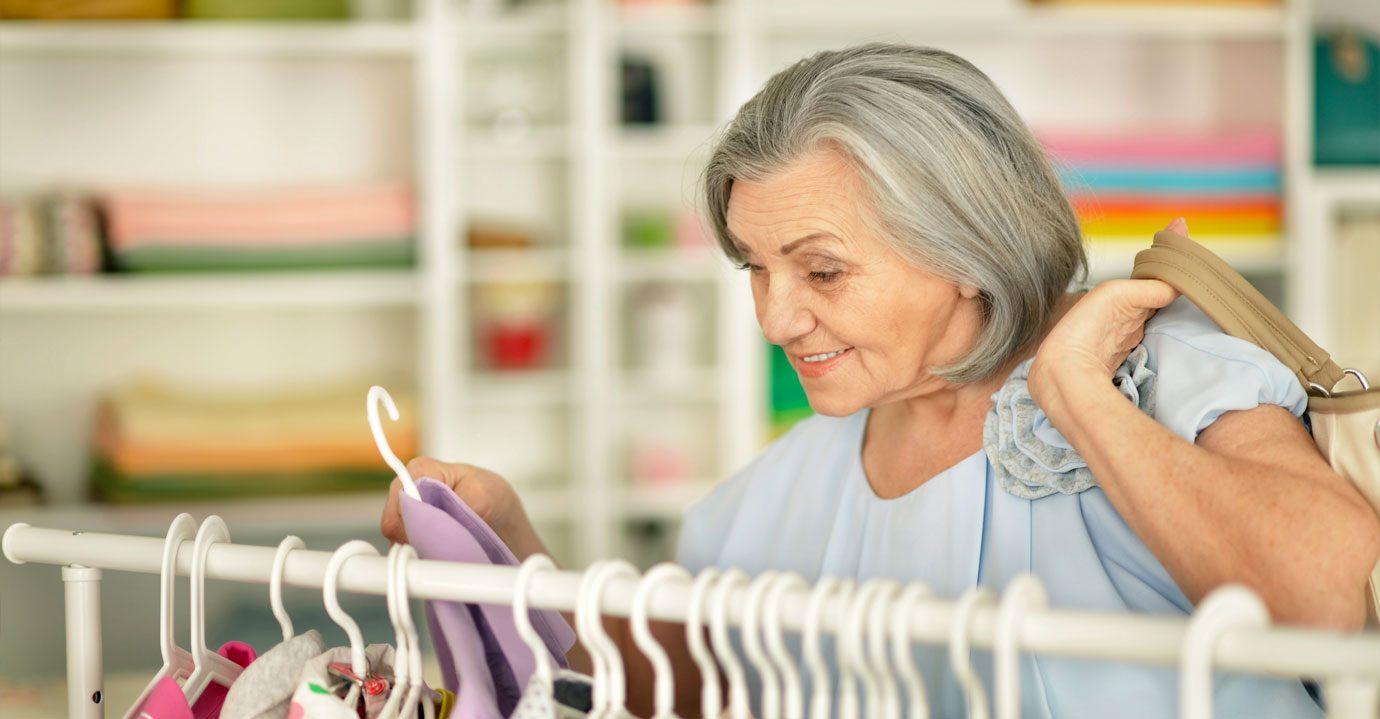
x,y
477,646
264,690
805,505
166,701
322,692
570,696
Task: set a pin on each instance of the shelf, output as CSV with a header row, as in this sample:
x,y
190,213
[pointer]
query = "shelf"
x,y
670,502
187,37
663,19
519,389
671,265
699,385
676,143
526,265
189,292
540,143
1111,259
1348,186
537,22
914,20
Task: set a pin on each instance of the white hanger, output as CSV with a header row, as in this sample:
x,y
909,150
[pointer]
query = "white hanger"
x,y
665,689
848,682
541,656
358,662
1023,594
614,683
852,655
959,659
917,701
792,697
401,641
711,696
177,662
408,708
752,644
1230,607
275,583
378,394
821,699
723,648
209,666
877,616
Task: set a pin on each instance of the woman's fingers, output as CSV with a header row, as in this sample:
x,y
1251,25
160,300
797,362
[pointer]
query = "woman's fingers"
x,y
392,523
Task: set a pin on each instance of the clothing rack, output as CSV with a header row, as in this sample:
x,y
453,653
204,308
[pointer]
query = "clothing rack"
x,y
1347,665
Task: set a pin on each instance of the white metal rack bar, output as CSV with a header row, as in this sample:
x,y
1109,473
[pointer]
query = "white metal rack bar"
x,y
1348,663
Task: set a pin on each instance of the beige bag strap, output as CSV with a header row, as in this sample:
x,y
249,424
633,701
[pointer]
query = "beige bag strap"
x,y
1237,307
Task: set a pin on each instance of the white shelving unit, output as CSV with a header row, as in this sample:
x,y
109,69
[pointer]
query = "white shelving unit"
x,y
591,158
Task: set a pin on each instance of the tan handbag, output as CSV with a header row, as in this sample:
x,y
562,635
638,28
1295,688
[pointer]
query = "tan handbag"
x,y
1346,425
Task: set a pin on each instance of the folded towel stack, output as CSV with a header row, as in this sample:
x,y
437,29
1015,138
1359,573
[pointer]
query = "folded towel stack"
x,y
57,233
154,443
312,228
1126,188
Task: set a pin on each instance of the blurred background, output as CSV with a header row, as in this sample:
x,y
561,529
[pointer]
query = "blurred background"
x,y
221,221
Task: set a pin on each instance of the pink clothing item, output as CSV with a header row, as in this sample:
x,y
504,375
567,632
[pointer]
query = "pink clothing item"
x,y
166,701
1167,148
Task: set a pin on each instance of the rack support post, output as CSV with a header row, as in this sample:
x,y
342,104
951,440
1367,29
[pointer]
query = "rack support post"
x,y
82,590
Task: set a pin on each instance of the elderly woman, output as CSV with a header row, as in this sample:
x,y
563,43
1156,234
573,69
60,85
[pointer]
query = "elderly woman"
x,y
910,248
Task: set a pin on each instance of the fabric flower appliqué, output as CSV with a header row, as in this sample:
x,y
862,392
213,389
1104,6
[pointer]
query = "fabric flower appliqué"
x,y
1029,457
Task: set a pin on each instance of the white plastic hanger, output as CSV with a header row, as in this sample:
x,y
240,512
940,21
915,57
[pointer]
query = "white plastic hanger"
x,y
821,699
275,583
408,707
358,662
792,697
177,662
738,706
541,656
1229,607
612,687
880,661
917,700
752,643
402,643
1023,594
378,394
848,683
959,659
852,655
208,665
665,689
711,696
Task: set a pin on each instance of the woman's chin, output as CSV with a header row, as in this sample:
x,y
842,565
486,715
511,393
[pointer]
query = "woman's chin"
x,y
833,404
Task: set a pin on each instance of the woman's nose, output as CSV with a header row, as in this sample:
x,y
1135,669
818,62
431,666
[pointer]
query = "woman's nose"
x,y
783,317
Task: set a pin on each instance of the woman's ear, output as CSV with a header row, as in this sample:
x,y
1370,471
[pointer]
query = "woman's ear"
x,y
967,291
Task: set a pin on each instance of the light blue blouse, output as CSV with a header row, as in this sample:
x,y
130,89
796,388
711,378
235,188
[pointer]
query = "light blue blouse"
x,y
805,505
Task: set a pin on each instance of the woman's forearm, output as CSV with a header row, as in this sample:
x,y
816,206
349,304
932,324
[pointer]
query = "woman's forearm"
x,y
1211,519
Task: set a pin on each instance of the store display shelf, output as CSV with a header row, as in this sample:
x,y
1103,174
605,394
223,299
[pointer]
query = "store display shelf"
x,y
1111,259
655,19
699,384
518,389
538,143
519,265
675,143
1348,186
537,21
193,292
189,37
699,264
661,502
1020,20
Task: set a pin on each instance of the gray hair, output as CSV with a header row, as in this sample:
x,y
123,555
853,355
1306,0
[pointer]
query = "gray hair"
x,y
959,185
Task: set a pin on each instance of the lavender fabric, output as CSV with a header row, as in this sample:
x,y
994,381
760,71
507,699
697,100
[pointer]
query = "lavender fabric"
x,y
477,645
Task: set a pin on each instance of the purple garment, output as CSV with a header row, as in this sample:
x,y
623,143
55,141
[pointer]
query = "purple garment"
x,y
483,660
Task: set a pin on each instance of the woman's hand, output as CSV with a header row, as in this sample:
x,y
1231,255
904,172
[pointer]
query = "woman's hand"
x,y
489,495
1095,335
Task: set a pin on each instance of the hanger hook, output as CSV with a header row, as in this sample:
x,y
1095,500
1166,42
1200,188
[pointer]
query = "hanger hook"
x,y
541,656
275,583
792,699
820,699
711,695
1226,608
1023,594
852,595
723,647
752,643
407,553
959,658
182,529
876,646
378,394
349,549
665,690
610,693
917,699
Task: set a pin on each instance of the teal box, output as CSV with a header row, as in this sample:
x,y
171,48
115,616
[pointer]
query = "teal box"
x,y
1346,100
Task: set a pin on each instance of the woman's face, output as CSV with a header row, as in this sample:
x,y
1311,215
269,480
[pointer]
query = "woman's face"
x,y
860,324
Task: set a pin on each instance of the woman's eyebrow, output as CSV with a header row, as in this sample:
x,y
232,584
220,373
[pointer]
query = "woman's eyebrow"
x,y
791,246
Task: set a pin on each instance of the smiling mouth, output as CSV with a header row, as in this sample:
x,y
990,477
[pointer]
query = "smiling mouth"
x,y
823,357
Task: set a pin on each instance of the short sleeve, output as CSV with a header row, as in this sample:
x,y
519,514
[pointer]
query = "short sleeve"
x,y
1203,373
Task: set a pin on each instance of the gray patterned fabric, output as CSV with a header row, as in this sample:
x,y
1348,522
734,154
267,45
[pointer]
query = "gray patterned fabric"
x,y
1029,457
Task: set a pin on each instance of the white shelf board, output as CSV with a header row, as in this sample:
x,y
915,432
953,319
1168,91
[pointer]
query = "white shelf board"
x,y
669,502
701,265
539,143
195,293
516,389
655,19
674,143
526,265
911,20
1346,186
188,37
539,21
700,385
1111,259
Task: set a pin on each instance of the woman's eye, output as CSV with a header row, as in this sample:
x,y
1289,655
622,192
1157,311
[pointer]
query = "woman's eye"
x,y
823,277
749,267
